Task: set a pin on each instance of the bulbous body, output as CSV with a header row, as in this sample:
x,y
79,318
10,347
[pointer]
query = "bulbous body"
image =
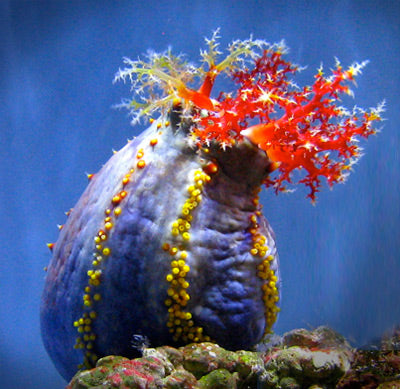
x,y
167,241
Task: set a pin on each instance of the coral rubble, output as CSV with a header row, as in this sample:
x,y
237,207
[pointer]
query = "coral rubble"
x,y
300,359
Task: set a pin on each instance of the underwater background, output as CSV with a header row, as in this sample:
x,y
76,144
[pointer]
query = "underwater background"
x,y
340,259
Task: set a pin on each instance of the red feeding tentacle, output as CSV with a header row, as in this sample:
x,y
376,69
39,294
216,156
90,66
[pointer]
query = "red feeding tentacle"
x,y
300,129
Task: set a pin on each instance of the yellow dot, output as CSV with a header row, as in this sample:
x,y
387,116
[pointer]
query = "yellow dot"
x,y
169,277
186,236
141,164
253,251
176,101
106,251
185,284
116,199
108,225
97,297
176,297
170,292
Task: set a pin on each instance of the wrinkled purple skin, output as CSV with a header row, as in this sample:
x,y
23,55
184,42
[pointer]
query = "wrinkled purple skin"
x,y
225,292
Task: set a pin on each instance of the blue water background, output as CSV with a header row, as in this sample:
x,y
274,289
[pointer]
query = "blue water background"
x,y
340,260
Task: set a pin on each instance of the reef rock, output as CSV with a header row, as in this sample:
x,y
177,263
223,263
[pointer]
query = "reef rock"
x,y
300,359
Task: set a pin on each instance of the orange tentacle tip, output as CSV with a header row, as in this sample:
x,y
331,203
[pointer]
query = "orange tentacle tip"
x,y
211,168
50,246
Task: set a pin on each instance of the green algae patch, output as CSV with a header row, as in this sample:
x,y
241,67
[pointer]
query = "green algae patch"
x,y
218,379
